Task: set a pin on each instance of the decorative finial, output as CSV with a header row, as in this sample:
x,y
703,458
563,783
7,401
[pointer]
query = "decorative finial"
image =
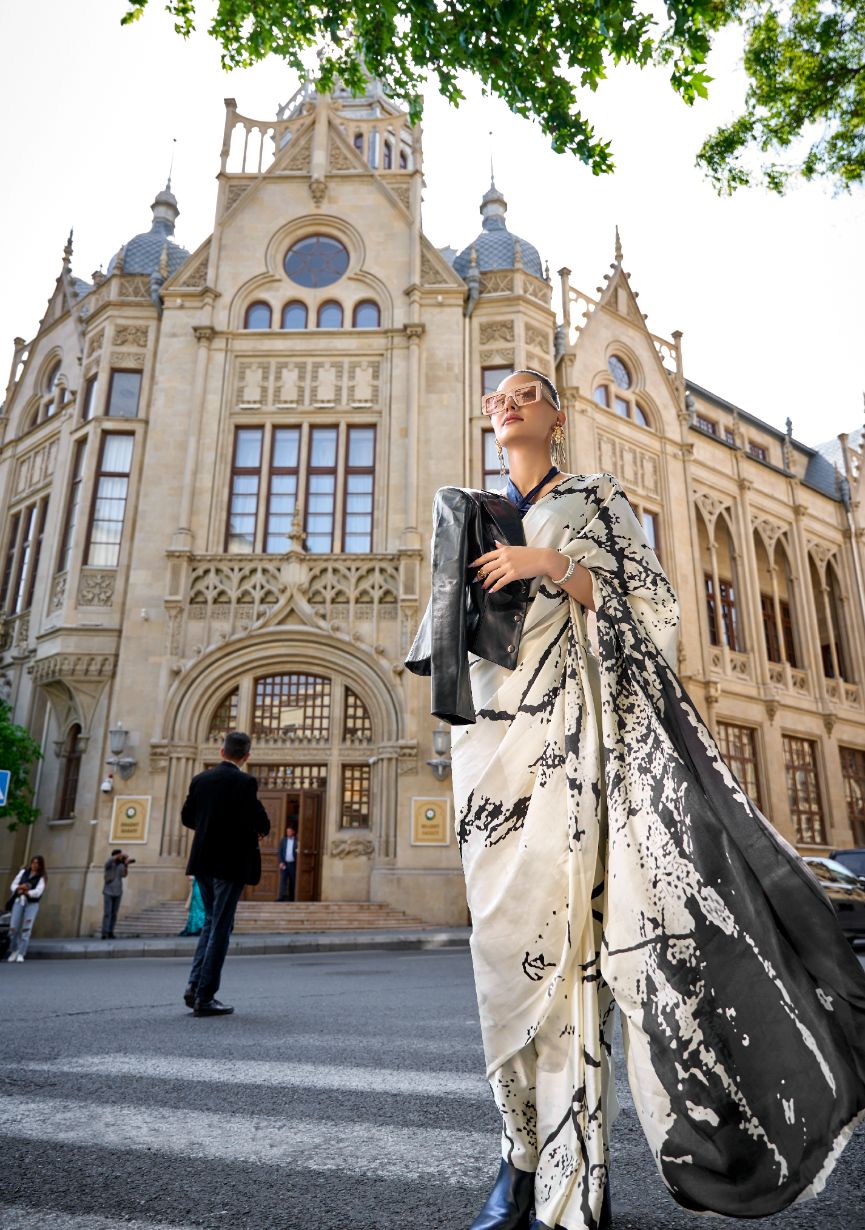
x,y
170,165
518,254
296,536
547,277
618,247
789,426
67,251
492,170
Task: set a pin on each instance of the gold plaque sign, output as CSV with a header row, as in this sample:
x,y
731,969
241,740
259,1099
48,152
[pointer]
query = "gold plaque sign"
x,y
129,818
430,822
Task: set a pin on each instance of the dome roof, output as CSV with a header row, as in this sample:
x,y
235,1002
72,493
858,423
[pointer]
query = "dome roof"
x,y
143,253
495,246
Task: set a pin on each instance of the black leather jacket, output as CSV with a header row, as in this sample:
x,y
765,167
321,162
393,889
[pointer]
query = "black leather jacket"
x,y
462,617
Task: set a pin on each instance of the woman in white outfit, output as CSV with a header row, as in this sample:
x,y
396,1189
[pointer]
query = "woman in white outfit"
x,y
611,857
27,889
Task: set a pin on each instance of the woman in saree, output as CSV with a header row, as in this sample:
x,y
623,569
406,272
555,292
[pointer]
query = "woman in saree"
x,y
611,858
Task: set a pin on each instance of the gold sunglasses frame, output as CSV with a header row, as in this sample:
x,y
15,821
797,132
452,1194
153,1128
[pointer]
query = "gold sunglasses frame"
x,y
490,398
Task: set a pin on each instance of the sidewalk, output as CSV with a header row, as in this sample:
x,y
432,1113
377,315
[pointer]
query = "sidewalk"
x,y
250,945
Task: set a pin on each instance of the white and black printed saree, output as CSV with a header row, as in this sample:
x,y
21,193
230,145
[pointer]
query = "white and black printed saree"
x,y
608,849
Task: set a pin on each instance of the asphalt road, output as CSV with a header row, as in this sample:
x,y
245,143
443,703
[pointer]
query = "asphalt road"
x,y
345,1094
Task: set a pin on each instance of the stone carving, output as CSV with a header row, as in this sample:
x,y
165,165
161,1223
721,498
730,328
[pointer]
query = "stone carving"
x,y
504,356
252,383
137,287
289,384
638,468
130,335
534,289
363,382
339,159
326,384
496,283
36,467
96,588
94,342
58,592
233,195
769,531
709,506
298,153
72,666
195,275
127,358
496,331
352,847
402,192
821,551
538,338
318,190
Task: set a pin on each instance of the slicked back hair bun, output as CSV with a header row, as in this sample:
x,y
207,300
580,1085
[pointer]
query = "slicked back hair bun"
x,y
545,381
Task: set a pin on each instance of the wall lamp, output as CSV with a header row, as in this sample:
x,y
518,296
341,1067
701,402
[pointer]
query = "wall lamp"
x,y
124,765
441,765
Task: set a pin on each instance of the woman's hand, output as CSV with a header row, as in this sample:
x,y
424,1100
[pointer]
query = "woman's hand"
x,y
507,564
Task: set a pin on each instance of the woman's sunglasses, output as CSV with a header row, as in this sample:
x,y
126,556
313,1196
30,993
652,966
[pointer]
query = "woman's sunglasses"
x,y
525,395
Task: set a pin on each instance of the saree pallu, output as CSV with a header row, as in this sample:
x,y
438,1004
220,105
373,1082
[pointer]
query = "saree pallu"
x,y
609,851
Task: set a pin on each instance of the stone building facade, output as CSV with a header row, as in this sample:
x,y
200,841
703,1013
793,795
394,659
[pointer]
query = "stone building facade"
x,y
216,476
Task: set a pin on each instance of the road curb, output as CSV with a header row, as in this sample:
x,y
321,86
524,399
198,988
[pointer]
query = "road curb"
x,y
251,945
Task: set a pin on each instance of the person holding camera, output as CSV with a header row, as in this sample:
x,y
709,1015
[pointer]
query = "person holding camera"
x,y
27,889
116,870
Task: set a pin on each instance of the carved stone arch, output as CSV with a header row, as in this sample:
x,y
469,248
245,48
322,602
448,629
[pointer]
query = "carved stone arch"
x,y
632,361
373,287
48,361
710,507
821,553
262,287
195,695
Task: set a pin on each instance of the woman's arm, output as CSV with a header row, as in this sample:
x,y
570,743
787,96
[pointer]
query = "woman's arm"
x,y
507,564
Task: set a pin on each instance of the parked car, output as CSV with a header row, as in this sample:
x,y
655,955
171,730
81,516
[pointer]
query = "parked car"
x,y
845,890
853,860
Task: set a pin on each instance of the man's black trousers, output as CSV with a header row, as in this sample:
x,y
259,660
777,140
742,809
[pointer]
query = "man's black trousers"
x,y
220,899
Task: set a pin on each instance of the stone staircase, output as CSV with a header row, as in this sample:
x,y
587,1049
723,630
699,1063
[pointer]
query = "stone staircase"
x,y
275,918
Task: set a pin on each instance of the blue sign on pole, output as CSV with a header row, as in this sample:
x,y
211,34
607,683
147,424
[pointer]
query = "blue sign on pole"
x,y
4,786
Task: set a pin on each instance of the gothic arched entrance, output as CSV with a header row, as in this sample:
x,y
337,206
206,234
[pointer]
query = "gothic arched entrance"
x,y
325,730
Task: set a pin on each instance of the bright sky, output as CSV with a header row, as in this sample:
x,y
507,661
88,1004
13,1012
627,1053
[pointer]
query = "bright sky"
x,y
768,291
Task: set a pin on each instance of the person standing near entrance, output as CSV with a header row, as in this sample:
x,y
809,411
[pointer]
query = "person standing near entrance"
x,y
116,871
27,889
287,863
223,810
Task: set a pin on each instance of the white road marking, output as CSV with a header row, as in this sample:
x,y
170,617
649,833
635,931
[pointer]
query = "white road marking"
x,y
288,1075
445,1155
25,1217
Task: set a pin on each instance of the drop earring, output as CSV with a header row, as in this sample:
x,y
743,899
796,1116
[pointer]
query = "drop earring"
x,y
558,450
501,453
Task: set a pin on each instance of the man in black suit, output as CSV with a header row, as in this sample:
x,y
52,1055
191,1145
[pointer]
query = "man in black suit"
x,y
287,863
223,810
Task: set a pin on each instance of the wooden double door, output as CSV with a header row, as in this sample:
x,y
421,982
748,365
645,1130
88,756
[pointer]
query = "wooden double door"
x,y
304,809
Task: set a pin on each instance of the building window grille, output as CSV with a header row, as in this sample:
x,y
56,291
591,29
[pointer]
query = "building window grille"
x,y
723,616
803,790
354,811
290,776
359,489
853,772
738,746
293,706
773,635
245,485
282,488
357,726
224,716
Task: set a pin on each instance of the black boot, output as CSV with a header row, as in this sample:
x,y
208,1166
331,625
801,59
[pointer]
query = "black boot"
x,y
605,1220
509,1204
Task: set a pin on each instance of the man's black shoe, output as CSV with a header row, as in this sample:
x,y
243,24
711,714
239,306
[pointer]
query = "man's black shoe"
x,y
190,995
210,1007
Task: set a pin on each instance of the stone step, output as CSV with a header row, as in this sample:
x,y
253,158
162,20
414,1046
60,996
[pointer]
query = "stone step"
x,y
253,917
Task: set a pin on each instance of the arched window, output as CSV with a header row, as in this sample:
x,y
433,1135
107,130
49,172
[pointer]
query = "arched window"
x,y
330,315
403,160
830,622
639,415
388,156
619,372
71,755
294,315
50,392
602,396
224,716
257,316
358,142
366,315
357,727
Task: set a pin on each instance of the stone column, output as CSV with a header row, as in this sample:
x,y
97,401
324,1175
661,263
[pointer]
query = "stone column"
x,y
183,537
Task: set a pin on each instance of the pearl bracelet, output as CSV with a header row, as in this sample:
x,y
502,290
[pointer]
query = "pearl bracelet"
x,y
569,572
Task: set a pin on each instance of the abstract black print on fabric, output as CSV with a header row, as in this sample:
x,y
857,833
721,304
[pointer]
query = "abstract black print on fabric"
x,y
608,849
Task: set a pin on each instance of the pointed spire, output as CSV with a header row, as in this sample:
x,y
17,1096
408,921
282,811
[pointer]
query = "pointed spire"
x,y
618,247
67,251
165,211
